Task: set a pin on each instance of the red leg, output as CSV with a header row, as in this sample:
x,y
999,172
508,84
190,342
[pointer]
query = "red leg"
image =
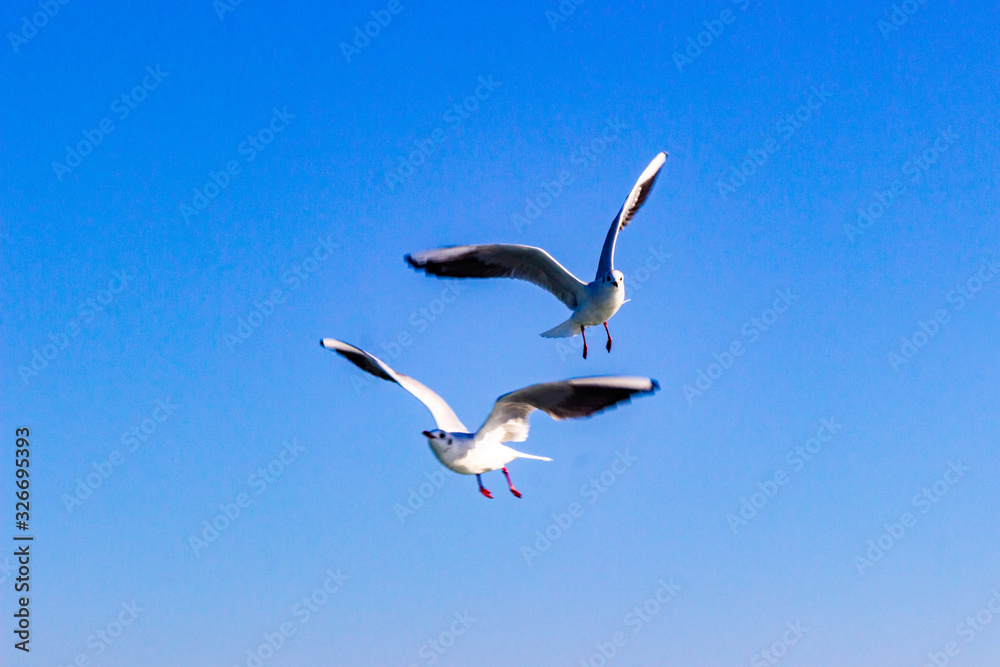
x,y
584,333
609,336
482,489
512,489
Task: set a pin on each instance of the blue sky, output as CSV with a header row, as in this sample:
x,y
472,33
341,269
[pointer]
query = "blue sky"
x,y
192,197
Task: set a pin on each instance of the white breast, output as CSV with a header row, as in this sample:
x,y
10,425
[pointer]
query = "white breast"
x,y
602,303
469,457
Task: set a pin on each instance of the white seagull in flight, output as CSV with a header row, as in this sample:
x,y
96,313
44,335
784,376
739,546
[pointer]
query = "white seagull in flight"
x,y
469,453
592,303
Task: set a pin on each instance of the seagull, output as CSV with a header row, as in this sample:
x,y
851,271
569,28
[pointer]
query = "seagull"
x,y
469,453
592,303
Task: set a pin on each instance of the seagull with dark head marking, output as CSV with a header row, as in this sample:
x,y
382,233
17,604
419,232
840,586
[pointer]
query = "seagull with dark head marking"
x,y
592,303
474,453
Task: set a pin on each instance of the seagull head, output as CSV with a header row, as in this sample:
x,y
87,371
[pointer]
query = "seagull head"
x,y
614,278
439,440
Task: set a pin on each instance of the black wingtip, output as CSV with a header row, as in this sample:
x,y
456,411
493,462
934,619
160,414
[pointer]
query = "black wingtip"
x,y
656,385
408,258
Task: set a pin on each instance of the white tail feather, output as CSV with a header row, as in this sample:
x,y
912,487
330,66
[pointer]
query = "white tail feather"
x,y
522,455
567,329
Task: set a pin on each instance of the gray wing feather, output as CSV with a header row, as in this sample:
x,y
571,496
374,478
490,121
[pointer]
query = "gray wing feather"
x,y
444,416
633,203
503,260
568,399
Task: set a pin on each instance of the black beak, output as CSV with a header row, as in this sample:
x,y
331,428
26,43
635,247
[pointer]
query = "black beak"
x,y
427,434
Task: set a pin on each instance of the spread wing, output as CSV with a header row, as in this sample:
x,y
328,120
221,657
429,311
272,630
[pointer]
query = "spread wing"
x,y
568,399
444,416
633,203
503,260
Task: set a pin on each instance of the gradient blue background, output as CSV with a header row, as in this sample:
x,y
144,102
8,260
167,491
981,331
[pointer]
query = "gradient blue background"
x,y
324,176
